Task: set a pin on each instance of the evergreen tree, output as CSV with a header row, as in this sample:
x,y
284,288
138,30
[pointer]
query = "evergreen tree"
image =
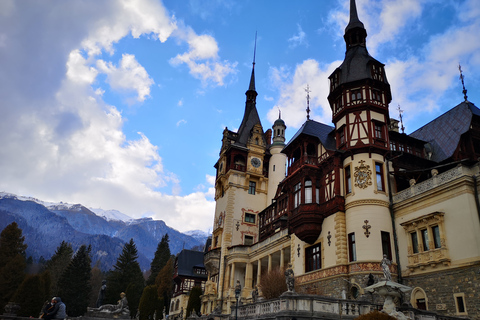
x,y
11,243
30,296
58,264
12,262
149,304
164,282
194,301
74,284
126,276
160,259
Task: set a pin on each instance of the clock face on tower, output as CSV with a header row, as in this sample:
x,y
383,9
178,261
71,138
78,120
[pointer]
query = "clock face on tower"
x,y
256,162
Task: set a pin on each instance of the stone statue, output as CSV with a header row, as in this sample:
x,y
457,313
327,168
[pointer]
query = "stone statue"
x,y
120,308
255,294
385,264
290,278
101,293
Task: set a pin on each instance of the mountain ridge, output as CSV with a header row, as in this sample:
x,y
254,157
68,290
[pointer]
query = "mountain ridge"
x,y
46,224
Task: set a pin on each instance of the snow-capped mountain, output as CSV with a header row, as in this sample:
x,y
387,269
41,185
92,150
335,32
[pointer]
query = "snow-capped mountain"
x,y
46,224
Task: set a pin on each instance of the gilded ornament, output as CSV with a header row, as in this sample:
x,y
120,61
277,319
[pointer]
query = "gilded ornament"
x,y
363,175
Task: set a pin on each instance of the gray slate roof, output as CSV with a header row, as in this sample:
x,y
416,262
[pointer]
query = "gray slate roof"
x,y
319,130
187,260
444,132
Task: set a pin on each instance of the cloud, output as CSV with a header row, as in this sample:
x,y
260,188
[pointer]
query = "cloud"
x,y
183,121
202,58
299,39
180,103
60,140
293,98
130,75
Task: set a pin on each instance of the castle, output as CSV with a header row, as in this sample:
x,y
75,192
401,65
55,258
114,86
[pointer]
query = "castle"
x,y
335,200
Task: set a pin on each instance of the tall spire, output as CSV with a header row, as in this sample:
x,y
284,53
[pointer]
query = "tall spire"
x,y
355,33
251,92
252,78
354,21
250,117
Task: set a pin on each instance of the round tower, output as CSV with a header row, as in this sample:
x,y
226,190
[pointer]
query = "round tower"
x,y
277,165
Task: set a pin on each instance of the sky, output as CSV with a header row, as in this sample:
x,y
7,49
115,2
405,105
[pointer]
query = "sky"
x,y
121,104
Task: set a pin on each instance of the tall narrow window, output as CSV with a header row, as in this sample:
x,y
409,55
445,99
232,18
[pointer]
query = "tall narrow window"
x,y
348,180
313,258
460,303
378,130
341,135
251,187
297,194
379,174
414,238
308,191
386,248
352,251
436,237
424,234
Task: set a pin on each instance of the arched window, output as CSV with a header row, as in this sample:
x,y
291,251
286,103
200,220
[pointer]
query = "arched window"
x,y
418,299
177,305
308,191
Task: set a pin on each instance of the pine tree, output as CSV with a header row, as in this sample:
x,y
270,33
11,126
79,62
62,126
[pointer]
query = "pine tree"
x,y
194,301
164,282
12,262
59,263
30,296
127,277
160,259
11,243
74,284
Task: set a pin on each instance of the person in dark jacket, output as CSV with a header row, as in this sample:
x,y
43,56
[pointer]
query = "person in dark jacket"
x,y
59,309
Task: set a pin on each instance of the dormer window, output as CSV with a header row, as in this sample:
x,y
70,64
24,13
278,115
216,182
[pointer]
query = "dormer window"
x,y
377,73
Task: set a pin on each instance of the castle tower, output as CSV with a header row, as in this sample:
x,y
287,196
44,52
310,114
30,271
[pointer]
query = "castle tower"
x,y
359,98
277,169
247,167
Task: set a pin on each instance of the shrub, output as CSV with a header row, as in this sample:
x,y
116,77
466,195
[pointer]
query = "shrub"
x,y
273,284
375,315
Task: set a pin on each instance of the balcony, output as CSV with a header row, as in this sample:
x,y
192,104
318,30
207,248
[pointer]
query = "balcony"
x,y
306,220
311,160
211,260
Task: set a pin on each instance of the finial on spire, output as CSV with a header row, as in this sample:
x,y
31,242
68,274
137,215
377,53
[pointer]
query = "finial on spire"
x,y
255,49
400,111
279,113
463,84
307,90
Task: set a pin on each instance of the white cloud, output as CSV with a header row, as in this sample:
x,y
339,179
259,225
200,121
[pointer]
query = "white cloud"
x,y
60,140
298,39
293,98
202,58
182,121
180,103
130,75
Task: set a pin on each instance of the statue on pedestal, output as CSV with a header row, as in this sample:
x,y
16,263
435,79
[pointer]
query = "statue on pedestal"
x,y
121,308
290,278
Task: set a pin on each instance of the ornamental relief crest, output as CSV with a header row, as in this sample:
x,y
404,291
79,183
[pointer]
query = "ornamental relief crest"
x,y
363,175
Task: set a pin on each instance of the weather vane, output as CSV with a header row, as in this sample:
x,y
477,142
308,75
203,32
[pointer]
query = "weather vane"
x,y
307,90
400,111
463,84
